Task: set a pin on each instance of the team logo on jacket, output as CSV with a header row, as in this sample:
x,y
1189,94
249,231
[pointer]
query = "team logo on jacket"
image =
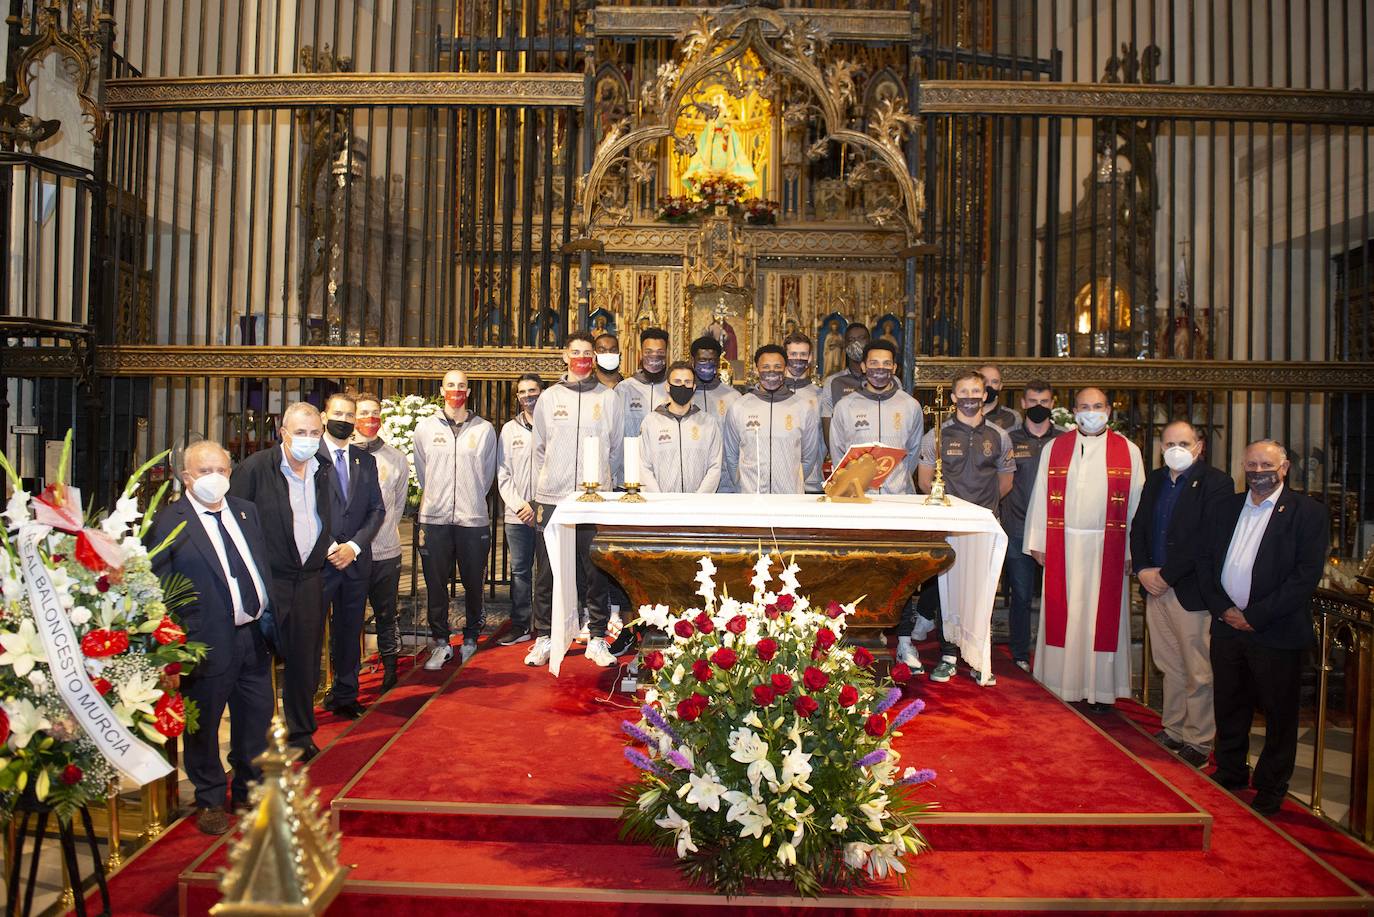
x,y
560,411
596,411
987,447
753,423
518,443
636,404
787,422
665,437
439,440
861,422
472,440
897,420
696,433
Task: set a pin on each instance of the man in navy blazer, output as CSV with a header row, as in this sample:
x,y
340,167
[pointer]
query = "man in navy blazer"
x,y
221,551
358,512
1168,535
1266,557
291,488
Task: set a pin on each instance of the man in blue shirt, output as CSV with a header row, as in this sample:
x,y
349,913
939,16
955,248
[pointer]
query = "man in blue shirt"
x,y
1168,536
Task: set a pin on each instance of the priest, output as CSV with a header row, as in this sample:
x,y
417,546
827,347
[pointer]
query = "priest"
x,y
1086,491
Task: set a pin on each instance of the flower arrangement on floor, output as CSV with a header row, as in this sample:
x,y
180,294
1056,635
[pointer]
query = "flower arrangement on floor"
x,y
760,212
92,652
676,208
400,415
765,747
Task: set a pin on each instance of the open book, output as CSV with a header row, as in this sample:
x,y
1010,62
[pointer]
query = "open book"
x,y
886,457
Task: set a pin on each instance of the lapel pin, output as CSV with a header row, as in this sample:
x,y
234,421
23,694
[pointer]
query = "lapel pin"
x,y
243,515
1282,508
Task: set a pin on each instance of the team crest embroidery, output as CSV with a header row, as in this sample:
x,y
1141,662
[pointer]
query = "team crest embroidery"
x,y
665,437
897,420
787,422
696,433
987,447
472,440
596,411
560,411
438,439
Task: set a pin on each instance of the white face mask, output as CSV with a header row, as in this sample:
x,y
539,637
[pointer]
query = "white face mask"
x,y
210,488
1091,422
609,362
302,447
1178,458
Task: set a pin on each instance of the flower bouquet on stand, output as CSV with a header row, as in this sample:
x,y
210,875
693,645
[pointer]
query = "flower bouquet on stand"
x,y
90,650
765,747
400,415
720,189
678,209
760,212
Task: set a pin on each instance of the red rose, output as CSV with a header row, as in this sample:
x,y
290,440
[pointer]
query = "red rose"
x,y
701,670
701,701
688,711
815,679
172,669
704,623
169,631
684,629
876,725
849,696
102,584
772,612
781,683
825,638
862,657
764,695
653,661
785,602
725,657
71,775
737,624
101,685
767,648
805,705
58,558
101,643
4,728
901,673
169,715
834,610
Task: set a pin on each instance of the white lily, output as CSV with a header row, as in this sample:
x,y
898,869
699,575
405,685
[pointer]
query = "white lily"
x,y
137,694
655,615
885,858
747,812
25,722
17,509
704,790
683,829
648,798
796,768
838,823
125,514
856,854
23,649
747,748
787,854
873,811
761,575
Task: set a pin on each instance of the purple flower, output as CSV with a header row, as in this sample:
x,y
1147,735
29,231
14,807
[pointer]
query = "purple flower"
x,y
641,761
676,759
908,713
872,758
893,695
639,735
925,775
653,716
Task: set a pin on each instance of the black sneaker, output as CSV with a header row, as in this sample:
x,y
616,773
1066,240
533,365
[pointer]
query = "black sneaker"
x,y
625,641
514,636
1169,742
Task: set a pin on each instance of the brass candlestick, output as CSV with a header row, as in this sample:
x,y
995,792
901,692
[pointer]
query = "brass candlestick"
x,y
591,495
937,495
632,494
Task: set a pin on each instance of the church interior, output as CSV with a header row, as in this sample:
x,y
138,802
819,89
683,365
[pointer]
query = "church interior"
x,y
219,208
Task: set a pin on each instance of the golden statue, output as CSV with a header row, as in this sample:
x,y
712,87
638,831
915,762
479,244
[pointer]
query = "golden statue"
x,y
719,152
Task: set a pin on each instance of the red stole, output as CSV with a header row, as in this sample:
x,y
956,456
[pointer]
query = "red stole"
x,y
1056,609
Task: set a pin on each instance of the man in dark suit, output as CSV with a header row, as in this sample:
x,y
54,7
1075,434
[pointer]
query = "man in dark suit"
x,y
357,515
1168,535
293,492
221,551
1266,557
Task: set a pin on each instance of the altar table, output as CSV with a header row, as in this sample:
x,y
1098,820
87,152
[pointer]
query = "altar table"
x,y
967,589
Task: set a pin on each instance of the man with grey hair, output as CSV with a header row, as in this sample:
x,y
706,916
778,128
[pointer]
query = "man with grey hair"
x,y
219,548
291,489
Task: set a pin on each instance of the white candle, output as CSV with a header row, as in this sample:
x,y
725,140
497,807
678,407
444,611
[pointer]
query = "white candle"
x,y
632,460
591,460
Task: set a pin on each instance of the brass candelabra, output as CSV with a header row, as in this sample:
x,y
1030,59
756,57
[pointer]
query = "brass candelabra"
x,y
938,413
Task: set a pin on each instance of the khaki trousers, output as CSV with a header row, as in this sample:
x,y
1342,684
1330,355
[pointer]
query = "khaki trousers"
x,y
1180,642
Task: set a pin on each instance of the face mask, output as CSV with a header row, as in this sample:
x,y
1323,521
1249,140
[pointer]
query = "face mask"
x,y
581,366
368,426
771,380
855,350
880,379
1037,413
991,396
456,397
653,365
1091,422
527,403
609,362
1262,482
302,447
681,394
1178,458
341,430
706,370
798,367
969,407
210,488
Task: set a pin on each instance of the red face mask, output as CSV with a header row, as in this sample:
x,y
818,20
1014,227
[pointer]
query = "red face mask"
x,y
581,366
368,426
456,397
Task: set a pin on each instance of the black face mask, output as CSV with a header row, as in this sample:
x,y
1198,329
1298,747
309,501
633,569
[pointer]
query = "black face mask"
x,y
340,430
968,406
990,397
681,394
1037,413
1262,482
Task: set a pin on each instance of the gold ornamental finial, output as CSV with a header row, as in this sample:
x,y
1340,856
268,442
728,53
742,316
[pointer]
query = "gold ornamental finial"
x,y
285,859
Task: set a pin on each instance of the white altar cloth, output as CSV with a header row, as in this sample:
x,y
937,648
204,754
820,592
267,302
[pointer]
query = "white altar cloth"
x,y
967,589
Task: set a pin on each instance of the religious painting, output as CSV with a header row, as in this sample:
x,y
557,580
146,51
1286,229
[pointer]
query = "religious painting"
x,y
601,321
546,330
735,143
831,343
646,303
889,328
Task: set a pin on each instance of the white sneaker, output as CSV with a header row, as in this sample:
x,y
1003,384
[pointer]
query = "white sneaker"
x,y
924,628
613,627
583,635
539,653
907,655
599,653
442,654
468,651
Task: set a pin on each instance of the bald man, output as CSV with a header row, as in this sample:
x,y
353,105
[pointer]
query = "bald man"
x,y
220,550
1085,495
1266,555
292,490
